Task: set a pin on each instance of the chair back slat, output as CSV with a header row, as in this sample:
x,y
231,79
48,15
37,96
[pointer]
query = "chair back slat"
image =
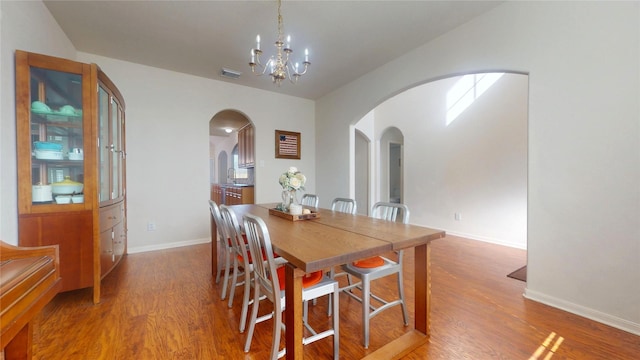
x,y
344,205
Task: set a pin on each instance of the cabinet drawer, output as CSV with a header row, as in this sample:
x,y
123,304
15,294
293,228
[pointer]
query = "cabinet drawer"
x,y
110,216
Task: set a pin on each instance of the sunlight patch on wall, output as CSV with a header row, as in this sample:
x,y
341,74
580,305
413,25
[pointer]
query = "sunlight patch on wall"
x,y
466,91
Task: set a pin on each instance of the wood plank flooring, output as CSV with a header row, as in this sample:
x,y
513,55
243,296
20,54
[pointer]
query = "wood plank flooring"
x,y
166,305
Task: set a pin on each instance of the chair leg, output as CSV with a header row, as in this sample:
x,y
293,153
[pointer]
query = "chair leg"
x,y
245,301
277,332
225,282
221,256
336,322
366,298
332,274
253,319
403,303
234,283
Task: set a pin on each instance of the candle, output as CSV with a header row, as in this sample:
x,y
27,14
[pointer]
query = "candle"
x,y
253,56
258,42
295,209
306,55
288,42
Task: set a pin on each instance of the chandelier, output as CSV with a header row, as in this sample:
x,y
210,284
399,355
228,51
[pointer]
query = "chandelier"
x,y
279,66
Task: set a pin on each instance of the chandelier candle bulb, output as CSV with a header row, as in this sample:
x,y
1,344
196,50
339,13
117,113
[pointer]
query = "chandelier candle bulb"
x,y
258,42
288,41
306,55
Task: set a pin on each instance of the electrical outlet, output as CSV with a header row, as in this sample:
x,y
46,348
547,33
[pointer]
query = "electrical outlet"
x,y
457,216
151,226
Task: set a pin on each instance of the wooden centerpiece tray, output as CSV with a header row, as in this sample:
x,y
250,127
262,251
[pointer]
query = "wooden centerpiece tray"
x,y
286,215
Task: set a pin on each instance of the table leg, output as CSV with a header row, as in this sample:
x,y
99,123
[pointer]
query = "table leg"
x,y
293,312
423,288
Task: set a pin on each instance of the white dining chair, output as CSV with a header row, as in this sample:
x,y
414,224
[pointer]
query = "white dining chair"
x,y
310,200
226,248
269,281
349,206
242,265
370,269
242,262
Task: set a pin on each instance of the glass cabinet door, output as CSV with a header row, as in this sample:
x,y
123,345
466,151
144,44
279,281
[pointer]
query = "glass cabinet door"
x,y
104,144
116,152
111,145
57,144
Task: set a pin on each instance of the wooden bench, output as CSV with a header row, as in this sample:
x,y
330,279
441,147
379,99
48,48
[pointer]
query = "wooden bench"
x,y
29,279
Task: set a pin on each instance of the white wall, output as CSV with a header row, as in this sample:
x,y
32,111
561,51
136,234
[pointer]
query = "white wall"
x,y
167,125
476,166
584,144
26,26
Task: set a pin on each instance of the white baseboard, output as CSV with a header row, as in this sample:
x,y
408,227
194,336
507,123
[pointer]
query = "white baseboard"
x,y
588,313
163,246
487,239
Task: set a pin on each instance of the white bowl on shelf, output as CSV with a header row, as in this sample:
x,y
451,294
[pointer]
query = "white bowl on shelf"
x,y
63,199
77,199
66,187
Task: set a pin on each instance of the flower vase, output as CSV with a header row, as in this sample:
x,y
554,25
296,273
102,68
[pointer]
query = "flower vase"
x,y
288,197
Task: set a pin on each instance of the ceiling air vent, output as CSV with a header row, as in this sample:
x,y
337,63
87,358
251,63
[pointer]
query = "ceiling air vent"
x,y
231,74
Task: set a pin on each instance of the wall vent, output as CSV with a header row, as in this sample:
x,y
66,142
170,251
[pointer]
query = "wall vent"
x,y
231,74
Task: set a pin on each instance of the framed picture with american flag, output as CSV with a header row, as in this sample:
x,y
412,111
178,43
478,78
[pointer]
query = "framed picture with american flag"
x,y
287,144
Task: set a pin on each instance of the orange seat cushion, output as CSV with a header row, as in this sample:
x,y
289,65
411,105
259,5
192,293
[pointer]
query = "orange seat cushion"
x,y
368,263
307,280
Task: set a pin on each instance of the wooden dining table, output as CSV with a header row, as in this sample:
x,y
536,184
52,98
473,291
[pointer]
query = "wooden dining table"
x,y
335,238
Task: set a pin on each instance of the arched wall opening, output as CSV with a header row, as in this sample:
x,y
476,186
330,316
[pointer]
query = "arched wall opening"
x,y
223,152
468,177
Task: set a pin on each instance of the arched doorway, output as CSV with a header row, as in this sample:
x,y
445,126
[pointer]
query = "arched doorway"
x,y
463,167
223,138
391,169
231,143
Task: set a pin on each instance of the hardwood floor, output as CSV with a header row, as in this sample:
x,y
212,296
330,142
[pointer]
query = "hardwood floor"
x,y
166,305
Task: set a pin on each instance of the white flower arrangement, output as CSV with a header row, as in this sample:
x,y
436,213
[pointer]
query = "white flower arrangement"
x,y
292,180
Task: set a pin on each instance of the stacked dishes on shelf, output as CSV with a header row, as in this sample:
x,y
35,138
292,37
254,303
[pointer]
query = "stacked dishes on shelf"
x,y
44,150
67,190
62,114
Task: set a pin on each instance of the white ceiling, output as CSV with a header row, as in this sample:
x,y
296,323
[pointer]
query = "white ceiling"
x,y
346,39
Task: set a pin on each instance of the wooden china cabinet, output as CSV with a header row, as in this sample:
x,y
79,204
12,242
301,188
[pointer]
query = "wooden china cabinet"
x,y
71,131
